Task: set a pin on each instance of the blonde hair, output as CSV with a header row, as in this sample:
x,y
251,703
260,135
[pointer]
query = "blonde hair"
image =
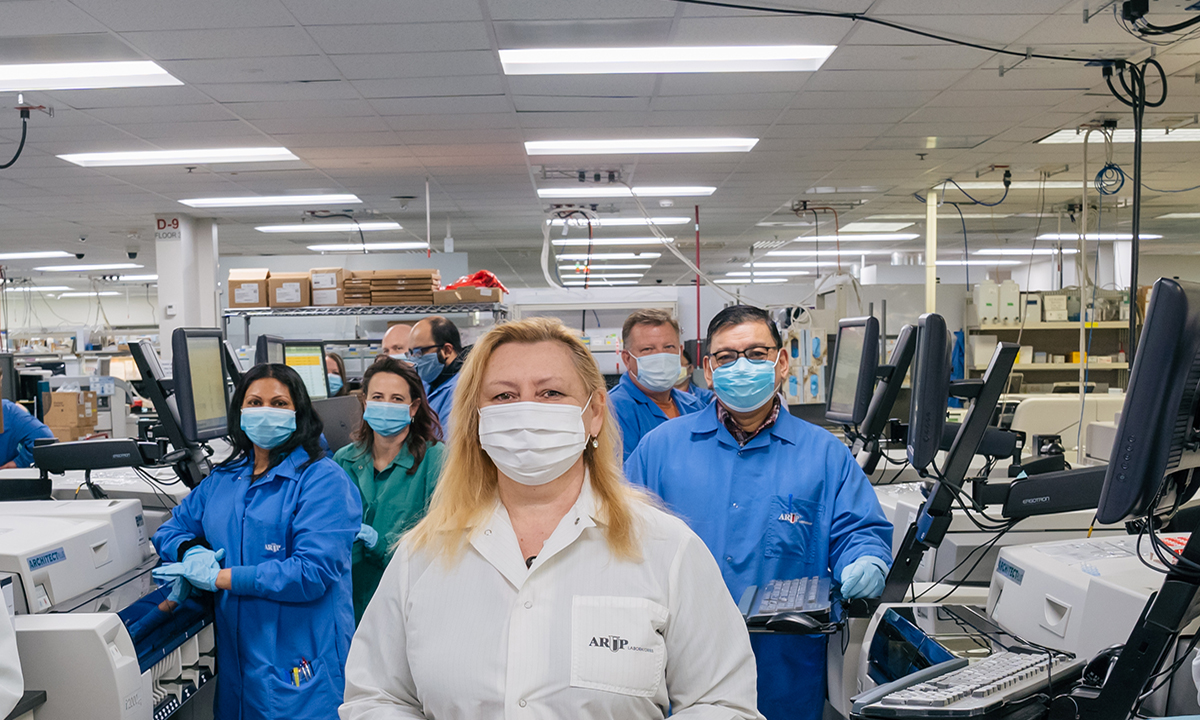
x,y
466,489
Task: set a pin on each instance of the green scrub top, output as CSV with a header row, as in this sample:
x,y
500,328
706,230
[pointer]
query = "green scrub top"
x,y
393,501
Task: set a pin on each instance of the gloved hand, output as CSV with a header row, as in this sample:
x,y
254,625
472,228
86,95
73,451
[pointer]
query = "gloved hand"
x,y
146,624
180,590
199,567
863,578
368,535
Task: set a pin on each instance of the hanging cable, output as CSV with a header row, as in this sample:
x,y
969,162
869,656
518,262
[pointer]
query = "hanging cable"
x,y
21,145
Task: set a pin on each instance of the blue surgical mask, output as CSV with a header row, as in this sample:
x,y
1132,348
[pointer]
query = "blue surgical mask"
x,y
745,385
268,427
335,383
428,367
658,372
387,418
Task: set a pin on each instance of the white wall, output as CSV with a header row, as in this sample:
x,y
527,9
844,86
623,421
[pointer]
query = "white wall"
x,y
40,312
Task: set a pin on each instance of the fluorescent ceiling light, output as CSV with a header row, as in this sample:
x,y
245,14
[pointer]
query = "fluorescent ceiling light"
x,y
1021,252
137,278
768,273
584,242
867,237
629,147
83,76
801,264
1179,216
593,282
579,266
105,293
610,256
989,263
620,191
1094,236
874,227
594,274
748,281
619,222
829,190
784,223
324,227
35,255
941,216
850,254
271,200
1123,135
733,58
88,268
357,248
34,288
180,157
1016,185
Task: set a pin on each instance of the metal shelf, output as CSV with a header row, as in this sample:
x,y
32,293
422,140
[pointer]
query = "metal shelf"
x,y
1093,366
1105,325
496,309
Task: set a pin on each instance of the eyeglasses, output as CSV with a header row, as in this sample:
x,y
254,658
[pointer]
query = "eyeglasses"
x,y
758,353
415,353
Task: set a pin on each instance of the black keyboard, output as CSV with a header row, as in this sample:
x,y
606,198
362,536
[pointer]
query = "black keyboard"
x,y
807,595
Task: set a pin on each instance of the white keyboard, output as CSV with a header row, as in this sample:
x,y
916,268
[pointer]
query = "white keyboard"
x,y
979,688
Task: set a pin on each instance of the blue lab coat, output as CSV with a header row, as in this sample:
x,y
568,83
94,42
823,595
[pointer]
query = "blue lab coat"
x,y
20,430
791,503
441,400
638,414
287,537
705,395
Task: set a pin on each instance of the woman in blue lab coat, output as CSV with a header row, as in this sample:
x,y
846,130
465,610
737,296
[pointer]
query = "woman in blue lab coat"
x,y
270,532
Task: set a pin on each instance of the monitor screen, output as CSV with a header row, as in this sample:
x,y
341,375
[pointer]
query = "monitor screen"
x,y
856,358
930,390
308,359
268,350
207,383
274,352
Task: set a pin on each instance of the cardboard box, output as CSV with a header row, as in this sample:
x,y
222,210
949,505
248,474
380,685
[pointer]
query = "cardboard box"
x,y
289,290
468,295
71,433
328,296
248,287
69,408
326,279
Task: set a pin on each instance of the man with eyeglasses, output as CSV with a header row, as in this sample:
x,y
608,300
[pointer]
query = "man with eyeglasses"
x,y
646,397
436,352
772,496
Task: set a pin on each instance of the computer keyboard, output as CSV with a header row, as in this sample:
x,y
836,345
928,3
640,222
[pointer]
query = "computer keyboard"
x,y
808,595
949,690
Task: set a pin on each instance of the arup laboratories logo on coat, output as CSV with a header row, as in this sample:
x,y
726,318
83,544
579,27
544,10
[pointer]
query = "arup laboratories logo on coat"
x,y
615,643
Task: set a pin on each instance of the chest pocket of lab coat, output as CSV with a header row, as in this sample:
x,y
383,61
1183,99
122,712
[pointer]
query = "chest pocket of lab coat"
x,y
792,529
264,541
617,644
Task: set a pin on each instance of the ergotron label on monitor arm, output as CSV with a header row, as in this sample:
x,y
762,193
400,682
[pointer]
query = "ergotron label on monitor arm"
x,y
54,556
1010,571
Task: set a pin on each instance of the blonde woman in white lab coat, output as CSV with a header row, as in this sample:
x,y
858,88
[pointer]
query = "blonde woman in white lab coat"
x,y
540,583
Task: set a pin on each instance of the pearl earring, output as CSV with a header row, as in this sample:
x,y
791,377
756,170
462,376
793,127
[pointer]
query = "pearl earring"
x,y
595,443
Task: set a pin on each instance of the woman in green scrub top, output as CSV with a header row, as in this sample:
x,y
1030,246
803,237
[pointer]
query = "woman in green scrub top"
x,y
394,460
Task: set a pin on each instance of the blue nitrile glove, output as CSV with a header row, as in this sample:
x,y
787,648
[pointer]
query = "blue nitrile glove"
x,y
146,624
369,537
199,566
864,578
180,590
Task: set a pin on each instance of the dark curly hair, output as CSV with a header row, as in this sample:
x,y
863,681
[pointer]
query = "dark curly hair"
x,y
424,429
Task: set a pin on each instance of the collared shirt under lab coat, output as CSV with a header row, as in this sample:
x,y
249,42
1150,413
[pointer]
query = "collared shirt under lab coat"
x,y
441,400
638,414
578,635
791,503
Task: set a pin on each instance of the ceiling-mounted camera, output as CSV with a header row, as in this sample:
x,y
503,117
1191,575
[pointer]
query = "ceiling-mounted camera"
x,y
78,256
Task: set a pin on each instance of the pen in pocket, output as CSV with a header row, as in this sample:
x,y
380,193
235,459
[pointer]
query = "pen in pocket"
x,y
306,669
296,676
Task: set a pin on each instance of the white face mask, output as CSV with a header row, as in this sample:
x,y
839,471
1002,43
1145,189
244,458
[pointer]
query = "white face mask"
x,y
658,372
533,443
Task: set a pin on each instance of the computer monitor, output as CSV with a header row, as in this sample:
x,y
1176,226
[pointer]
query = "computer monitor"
x,y
855,362
188,459
199,375
930,390
1158,439
269,349
233,366
307,357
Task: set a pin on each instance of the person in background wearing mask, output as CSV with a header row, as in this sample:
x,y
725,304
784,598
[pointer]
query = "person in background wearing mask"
x,y
395,460
335,368
646,397
270,532
395,341
541,582
772,496
687,370
436,351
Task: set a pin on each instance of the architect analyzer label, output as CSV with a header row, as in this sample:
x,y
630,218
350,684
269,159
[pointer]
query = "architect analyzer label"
x,y
40,561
